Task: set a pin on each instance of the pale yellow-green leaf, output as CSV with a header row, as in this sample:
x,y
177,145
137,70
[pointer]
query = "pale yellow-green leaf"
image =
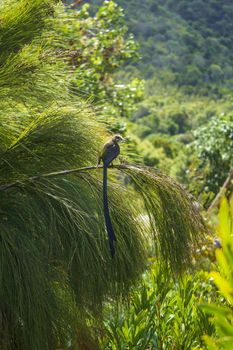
x,y
231,214
225,327
211,345
223,217
215,309
223,285
222,260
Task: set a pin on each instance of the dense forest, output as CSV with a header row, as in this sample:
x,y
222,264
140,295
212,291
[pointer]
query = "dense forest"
x,y
188,43
73,74
186,62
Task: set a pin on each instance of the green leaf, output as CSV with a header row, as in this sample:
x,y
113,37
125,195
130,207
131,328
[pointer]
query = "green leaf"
x,y
224,228
210,343
215,309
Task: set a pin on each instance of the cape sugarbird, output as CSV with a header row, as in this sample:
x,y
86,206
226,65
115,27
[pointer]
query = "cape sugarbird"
x,y
109,152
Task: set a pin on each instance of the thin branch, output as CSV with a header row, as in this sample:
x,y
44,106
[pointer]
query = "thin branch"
x,y
221,192
62,173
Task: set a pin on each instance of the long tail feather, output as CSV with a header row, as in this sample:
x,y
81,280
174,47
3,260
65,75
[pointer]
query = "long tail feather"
x,y
111,234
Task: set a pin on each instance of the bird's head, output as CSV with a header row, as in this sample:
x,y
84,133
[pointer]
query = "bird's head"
x,y
117,138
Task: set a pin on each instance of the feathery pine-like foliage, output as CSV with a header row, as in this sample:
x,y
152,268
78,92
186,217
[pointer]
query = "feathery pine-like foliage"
x,y
54,258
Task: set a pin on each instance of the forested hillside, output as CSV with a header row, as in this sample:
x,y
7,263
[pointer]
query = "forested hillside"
x,y
189,42
186,50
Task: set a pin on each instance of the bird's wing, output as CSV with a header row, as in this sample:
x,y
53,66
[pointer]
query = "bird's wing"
x,y
111,152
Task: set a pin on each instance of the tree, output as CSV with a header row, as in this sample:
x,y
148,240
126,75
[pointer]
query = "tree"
x,y
210,156
95,47
55,266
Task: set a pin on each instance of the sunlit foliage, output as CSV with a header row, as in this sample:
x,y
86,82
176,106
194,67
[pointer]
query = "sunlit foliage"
x,y
222,315
55,266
